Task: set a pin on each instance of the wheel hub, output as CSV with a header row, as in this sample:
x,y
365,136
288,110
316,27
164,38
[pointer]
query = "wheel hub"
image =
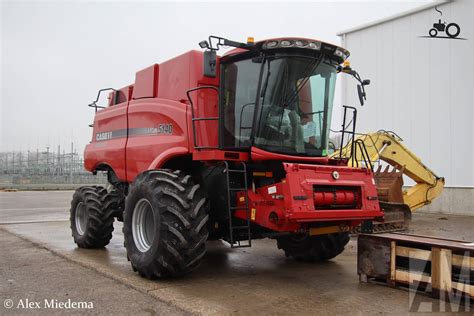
x,y
81,218
143,225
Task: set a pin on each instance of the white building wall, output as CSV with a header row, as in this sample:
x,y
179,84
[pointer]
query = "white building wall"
x,y
421,88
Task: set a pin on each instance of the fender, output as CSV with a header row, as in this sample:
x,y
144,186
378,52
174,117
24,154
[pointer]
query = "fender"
x,y
93,163
167,154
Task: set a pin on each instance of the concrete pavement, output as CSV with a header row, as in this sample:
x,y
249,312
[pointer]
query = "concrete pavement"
x,y
249,280
32,273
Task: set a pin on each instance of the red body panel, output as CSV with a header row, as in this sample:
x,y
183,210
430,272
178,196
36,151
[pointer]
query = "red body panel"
x,y
258,154
109,138
152,123
146,82
155,126
293,201
220,155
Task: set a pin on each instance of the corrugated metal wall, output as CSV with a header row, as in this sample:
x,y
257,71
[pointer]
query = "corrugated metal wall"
x,y
421,88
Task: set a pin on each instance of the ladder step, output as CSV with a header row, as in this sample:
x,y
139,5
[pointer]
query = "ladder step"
x,y
247,236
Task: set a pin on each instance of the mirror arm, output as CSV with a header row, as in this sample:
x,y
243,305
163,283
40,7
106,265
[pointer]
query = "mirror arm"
x,y
225,42
210,55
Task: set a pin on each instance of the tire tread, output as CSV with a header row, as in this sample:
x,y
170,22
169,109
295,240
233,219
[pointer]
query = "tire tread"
x,y
183,210
101,207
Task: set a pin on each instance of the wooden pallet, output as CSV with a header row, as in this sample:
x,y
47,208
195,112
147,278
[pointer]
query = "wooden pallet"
x,y
444,267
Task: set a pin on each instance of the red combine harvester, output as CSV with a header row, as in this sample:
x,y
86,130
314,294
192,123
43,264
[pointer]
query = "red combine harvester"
x,y
233,147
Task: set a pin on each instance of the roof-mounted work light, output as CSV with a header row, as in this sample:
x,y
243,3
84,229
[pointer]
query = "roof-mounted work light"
x,y
204,44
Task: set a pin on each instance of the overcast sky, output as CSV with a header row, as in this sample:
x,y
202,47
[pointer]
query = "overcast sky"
x,y
56,55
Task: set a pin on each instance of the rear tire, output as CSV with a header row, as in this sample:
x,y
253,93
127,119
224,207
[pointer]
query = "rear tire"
x,y
313,248
165,224
91,222
114,204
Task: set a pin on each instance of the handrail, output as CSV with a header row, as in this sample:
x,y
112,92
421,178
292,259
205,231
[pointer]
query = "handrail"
x,y
193,118
94,103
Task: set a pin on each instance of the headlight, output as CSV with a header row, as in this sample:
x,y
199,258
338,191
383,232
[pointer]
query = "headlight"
x,y
315,45
271,44
284,43
300,43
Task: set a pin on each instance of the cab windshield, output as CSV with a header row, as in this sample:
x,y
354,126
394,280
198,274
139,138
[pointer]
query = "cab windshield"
x,y
295,104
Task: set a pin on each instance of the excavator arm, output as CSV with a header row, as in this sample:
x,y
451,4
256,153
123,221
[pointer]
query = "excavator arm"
x,y
388,147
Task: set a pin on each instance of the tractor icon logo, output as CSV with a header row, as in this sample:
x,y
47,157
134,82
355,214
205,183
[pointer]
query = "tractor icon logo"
x,y
452,29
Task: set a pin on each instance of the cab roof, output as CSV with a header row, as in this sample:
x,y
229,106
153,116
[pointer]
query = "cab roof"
x,y
338,52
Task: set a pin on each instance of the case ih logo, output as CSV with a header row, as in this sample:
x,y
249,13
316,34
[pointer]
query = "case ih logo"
x,y
451,30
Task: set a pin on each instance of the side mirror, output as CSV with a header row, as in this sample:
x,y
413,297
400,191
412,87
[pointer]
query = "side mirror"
x,y
361,92
210,61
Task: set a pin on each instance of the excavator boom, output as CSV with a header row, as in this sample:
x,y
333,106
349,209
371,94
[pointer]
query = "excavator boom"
x,y
383,146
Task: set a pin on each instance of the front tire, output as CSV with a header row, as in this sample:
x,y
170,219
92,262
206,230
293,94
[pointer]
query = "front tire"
x,y
91,219
165,224
313,248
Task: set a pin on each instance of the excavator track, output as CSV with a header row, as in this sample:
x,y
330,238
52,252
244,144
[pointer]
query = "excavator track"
x,y
397,218
380,228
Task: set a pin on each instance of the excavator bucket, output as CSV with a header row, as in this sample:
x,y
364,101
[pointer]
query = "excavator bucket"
x,y
397,214
389,184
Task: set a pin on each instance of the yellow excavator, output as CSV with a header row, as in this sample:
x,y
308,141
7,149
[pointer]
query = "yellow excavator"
x,y
386,149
